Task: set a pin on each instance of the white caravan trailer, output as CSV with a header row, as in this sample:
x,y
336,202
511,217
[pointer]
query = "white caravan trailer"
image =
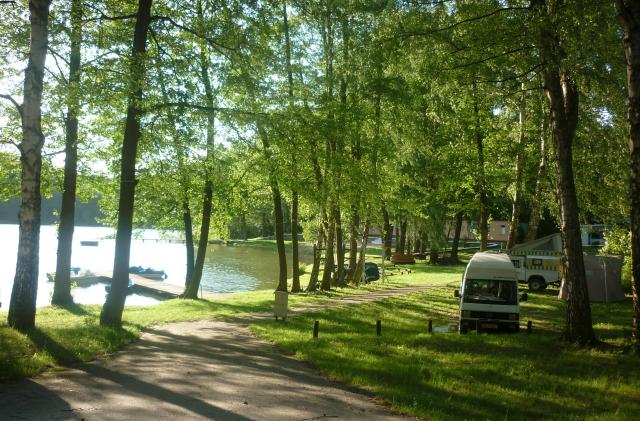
x,y
537,268
538,262
489,294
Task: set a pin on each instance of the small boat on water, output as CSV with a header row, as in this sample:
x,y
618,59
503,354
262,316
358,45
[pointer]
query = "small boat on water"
x,y
148,272
90,243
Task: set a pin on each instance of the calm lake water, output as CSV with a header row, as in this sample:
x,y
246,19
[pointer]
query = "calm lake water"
x,y
227,268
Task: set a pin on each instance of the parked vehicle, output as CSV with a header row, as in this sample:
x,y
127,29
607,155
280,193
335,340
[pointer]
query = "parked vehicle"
x,y
489,294
537,268
538,262
370,273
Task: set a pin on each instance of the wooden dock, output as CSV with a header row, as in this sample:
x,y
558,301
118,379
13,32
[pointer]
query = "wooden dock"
x,y
144,285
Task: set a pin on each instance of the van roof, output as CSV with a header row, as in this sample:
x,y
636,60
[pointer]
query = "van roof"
x,y
487,265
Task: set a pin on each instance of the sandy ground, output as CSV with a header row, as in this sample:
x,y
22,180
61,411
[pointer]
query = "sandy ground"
x,y
192,370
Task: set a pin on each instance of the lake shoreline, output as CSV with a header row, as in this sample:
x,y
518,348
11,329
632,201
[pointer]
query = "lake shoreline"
x,y
240,266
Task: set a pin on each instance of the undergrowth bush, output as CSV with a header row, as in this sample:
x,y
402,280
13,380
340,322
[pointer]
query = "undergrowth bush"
x,y
618,242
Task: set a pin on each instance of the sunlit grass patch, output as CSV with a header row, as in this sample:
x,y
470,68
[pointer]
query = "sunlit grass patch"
x,y
486,376
66,335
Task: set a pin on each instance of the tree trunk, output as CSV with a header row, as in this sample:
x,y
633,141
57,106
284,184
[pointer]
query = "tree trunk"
x,y
295,285
353,242
363,252
62,286
243,227
629,16
536,209
22,309
339,249
320,186
456,237
480,185
282,256
403,235
434,255
191,290
277,207
515,214
111,314
182,171
329,262
562,95
387,233
317,255
295,259
188,240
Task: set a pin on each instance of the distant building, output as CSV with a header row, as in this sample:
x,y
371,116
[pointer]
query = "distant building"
x,y
497,230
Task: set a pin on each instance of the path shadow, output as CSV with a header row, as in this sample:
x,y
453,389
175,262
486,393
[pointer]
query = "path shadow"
x,y
28,400
140,387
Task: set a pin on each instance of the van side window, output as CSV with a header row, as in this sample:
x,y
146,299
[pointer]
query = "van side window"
x,y
536,262
516,263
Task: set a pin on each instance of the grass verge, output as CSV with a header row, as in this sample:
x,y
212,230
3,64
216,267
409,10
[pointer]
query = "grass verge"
x,y
446,376
67,335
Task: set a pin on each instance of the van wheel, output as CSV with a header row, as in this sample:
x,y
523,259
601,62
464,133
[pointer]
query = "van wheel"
x,y
536,284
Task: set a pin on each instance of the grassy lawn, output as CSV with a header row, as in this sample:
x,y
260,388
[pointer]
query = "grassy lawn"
x,y
433,376
486,376
63,336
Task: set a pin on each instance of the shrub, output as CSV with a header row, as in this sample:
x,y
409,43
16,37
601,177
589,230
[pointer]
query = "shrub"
x,y
618,242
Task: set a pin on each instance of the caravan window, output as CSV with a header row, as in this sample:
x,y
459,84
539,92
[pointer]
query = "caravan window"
x,y
484,291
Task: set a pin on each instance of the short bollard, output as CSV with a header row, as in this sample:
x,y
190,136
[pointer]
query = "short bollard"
x,y
316,326
378,327
430,329
529,326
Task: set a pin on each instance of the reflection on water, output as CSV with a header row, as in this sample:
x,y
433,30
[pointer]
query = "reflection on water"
x,y
96,294
226,269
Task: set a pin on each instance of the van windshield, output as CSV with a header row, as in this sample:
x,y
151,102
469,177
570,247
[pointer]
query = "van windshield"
x,y
493,291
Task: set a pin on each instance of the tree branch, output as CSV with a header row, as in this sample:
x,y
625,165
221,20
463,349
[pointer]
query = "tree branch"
x,y
102,16
10,142
53,153
484,60
55,60
201,108
513,77
211,41
55,54
462,22
14,102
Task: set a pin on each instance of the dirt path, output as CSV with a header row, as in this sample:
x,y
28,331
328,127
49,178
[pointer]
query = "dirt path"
x,y
194,370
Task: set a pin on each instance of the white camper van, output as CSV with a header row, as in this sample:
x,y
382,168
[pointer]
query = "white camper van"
x,y
489,294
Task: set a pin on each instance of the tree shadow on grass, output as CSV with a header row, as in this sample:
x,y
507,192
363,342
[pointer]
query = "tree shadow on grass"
x,y
41,340
74,308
